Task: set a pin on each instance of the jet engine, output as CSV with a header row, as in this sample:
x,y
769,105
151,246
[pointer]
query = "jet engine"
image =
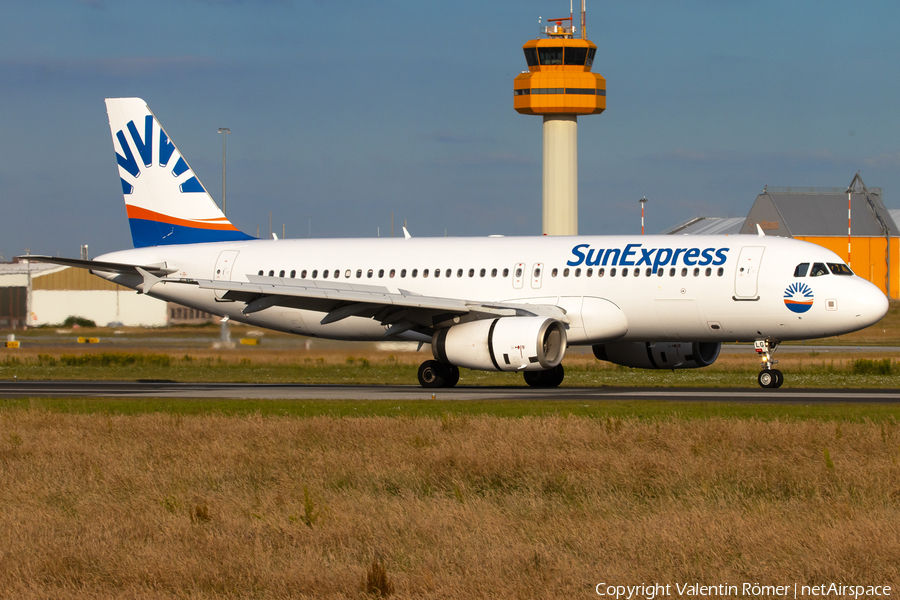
x,y
659,355
502,344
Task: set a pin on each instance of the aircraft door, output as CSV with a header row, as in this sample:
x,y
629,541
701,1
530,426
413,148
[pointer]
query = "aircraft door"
x,y
224,266
747,272
537,273
519,276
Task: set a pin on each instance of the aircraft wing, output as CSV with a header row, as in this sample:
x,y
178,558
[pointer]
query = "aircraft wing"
x,y
401,310
158,269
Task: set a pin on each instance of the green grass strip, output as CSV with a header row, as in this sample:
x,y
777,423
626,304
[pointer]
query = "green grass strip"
x,y
640,409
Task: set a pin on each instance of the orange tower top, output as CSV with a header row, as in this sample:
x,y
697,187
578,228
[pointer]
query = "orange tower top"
x,y
559,78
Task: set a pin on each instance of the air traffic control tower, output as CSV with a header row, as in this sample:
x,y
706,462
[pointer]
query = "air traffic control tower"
x,y
559,86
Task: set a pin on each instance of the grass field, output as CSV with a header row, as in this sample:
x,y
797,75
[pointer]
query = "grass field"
x,y
150,498
172,506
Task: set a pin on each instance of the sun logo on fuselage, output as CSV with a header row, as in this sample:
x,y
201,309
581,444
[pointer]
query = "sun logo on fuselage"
x,y
798,297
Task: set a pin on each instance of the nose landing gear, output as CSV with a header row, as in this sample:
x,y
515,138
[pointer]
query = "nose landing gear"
x,y
768,377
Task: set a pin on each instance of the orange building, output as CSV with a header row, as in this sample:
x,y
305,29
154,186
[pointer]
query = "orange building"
x,y
823,216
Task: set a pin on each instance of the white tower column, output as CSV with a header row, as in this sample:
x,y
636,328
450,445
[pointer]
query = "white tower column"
x,y
560,175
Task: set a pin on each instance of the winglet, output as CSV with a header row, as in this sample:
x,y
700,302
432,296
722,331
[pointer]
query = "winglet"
x,y
759,229
406,233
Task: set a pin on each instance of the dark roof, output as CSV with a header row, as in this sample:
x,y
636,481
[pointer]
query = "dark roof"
x,y
708,226
820,212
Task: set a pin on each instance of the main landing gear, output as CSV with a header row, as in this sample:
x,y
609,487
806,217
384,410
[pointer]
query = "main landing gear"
x,y
434,374
768,377
549,378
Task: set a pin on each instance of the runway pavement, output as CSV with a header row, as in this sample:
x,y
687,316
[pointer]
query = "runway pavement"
x,y
171,389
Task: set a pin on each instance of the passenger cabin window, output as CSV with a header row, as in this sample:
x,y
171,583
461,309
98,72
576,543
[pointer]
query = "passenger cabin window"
x,y
565,272
506,272
314,273
801,270
337,273
437,272
347,273
575,56
471,272
380,273
303,274
358,273
840,269
587,273
554,272
393,272
402,273
578,272
271,273
672,272
531,57
293,274
369,273
625,272
550,56
260,273
459,272
819,269
425,273
612,272
281,273
601,272
482,273
493,272
325,274
448,273
415,272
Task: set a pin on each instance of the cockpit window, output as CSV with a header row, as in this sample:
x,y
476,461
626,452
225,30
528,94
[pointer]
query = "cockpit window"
x,y
801,270
840,269
818,270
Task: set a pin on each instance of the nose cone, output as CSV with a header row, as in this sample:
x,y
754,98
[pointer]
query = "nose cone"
x,y
869,304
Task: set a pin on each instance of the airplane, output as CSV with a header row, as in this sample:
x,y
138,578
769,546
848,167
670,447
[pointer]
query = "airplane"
x,y
489,303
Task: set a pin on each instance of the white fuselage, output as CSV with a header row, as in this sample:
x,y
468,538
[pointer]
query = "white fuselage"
x,y
699,288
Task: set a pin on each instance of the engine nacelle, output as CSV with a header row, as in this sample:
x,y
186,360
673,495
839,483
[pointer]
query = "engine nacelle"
x,y
659,355
503,344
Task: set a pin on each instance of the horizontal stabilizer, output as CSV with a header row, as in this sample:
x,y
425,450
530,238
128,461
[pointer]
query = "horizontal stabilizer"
x,y
159,269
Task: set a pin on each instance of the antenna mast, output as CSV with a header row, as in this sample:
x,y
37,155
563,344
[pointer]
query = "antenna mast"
x,y
583,24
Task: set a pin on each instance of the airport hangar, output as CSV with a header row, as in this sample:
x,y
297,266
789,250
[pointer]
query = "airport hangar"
x,y
823,216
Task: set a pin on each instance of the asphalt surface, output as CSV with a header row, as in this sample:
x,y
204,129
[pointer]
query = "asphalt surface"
x,y
171,389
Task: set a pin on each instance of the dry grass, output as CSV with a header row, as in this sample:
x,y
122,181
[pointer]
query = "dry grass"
x,y
163,506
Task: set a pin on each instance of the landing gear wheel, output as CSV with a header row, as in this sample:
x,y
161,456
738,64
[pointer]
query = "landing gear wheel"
x,y
431,374
452,377
550,378
768,379
779,378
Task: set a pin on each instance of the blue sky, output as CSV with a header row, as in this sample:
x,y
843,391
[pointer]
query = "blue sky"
x,y
343,112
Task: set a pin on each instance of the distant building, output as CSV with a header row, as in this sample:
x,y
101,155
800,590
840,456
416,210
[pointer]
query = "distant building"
x,y
43,294
820,216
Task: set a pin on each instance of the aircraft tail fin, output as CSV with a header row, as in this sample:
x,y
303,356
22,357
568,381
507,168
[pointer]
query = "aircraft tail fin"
x,y
165,201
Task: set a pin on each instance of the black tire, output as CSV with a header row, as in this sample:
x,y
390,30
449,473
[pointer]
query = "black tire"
x,y
534,378
779,378
451,377
555,376
550,378
431,374
767,379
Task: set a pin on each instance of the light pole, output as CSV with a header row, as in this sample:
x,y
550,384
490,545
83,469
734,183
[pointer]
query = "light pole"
x,y
642,201
223,131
